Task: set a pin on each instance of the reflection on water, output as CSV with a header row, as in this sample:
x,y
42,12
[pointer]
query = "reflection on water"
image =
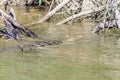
x,y
82,56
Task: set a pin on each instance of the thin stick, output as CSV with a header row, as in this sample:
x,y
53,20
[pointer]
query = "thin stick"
x,y
105,15
51,5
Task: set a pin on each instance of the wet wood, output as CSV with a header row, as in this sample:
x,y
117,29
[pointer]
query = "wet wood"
x,y
11,24
108,24
115,22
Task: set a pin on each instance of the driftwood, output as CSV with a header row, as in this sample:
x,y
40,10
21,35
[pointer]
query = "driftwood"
x,y
115,22
63,5
83,14
5,35
108,24
80,14
116,12
51,13
10,30
14,29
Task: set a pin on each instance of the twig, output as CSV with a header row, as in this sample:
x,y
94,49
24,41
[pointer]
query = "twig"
x,y
105,15
51,5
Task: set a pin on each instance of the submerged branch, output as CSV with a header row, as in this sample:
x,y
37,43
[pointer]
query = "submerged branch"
x,y
115,22
13,28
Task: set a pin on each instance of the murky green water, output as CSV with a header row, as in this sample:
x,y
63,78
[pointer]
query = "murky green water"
x,y
82,56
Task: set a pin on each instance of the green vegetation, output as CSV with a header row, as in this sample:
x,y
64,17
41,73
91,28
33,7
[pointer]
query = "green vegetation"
x,y
41,1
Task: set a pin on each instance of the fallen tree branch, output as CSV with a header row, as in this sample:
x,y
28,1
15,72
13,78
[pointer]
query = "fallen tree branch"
x,y
116,12
17,25
82,14
115,22
108,24
13,29
51,13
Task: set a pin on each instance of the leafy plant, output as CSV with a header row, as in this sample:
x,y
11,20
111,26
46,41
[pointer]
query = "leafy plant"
x,y
41,1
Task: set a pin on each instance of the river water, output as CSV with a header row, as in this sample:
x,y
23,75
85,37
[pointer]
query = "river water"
x,y
82,55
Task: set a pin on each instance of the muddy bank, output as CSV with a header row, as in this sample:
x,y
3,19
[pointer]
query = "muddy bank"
x,y
31,45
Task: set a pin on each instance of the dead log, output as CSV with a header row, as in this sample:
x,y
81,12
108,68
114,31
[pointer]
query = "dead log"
x,y
17,25
9,32
13,33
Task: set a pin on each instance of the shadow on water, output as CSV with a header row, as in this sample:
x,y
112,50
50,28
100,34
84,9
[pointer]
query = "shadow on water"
x,y
81,56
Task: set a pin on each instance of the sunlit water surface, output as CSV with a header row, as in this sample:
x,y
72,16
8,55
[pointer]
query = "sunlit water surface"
x,y
81,56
